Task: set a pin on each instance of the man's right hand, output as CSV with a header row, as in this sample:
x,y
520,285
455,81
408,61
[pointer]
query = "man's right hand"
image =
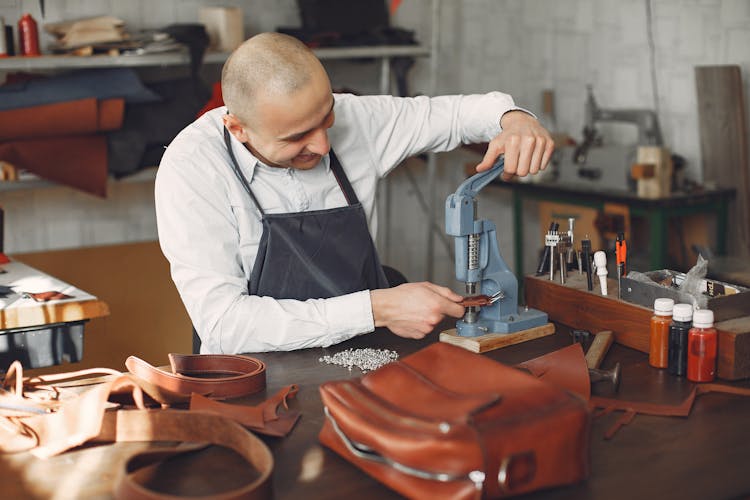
x,y
412,310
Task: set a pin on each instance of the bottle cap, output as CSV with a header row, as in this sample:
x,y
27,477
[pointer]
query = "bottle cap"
x,y
682,312
663,307
703,318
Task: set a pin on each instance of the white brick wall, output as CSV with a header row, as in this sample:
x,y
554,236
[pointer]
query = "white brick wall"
x,y
520,47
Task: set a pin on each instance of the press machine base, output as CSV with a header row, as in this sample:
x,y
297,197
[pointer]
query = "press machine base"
x,y
481,267
492,341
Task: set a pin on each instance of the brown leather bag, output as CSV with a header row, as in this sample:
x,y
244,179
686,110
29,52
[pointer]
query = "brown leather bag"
x,y
447,423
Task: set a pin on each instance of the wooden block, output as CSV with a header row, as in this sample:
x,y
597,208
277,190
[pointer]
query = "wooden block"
x,y
725,152
642,170
573,305
492,341
734,348
658,185
8,172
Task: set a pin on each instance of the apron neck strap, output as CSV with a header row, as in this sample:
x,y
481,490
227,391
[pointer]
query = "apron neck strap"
x,y
342,179
238,172
336,168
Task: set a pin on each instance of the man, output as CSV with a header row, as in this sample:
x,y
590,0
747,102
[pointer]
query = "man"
x,y
263,206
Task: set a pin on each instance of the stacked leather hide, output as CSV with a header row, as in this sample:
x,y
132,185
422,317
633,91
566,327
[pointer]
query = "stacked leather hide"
x,y
54,127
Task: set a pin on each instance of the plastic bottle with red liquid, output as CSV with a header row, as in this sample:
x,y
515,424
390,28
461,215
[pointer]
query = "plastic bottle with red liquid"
x,y
702,347
28,36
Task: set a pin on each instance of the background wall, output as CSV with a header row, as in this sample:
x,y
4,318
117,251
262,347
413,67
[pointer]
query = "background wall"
x,y
520,47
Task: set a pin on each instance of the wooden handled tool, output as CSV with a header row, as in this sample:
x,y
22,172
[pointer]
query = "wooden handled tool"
x,y
599,347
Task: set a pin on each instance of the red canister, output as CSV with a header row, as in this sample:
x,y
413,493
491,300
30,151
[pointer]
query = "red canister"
x,y
702,347
28,36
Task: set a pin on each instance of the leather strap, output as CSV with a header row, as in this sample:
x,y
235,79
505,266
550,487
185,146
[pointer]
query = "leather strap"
x,y
567,368
632,408
84,418
242,375
179,425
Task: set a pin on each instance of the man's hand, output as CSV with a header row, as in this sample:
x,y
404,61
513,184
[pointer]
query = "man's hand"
x,y
526,144
412,310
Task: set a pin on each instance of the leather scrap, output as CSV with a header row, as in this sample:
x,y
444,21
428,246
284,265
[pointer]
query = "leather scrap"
x,y
263,418
567,368
76,117
47,296
476,301
631,408
80,161
50,414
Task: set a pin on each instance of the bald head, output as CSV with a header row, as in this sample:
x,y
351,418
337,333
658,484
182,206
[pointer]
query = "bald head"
x,y
267,65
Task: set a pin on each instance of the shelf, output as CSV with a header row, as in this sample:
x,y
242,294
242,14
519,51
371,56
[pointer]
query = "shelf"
x,y
373,51
182,58
143,175
56,62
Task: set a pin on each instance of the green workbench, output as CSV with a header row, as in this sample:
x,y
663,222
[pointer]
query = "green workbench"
x,y
658,212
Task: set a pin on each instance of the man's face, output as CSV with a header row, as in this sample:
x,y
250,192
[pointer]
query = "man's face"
x,y
292,131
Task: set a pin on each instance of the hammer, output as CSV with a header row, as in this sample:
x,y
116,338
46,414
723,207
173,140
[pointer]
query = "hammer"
x,y
595,355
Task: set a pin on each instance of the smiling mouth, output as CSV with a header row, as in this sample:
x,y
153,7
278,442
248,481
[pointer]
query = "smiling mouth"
x,y
307,157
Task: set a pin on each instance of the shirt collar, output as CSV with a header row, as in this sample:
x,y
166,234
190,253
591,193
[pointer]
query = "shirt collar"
x,y
248,161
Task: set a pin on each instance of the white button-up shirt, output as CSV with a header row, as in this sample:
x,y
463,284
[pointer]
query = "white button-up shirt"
x,y
209,229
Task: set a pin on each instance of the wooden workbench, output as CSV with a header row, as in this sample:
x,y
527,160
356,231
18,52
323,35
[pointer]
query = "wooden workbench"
x,y
20,311
658,212
42,333
703,456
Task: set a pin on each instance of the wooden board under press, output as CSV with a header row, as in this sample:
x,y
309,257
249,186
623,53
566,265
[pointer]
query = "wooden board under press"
x,y
492,341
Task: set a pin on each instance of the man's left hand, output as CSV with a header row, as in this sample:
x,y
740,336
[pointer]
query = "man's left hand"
x,y
527,146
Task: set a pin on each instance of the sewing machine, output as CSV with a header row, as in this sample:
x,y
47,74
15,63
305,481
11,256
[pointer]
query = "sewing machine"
x,y
481,267
601,166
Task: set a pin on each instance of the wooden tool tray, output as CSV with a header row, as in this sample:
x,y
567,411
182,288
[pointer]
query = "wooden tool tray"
x,y
727,301
573,305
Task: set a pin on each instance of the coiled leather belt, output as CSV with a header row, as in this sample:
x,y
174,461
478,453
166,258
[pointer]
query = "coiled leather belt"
x,y
221,375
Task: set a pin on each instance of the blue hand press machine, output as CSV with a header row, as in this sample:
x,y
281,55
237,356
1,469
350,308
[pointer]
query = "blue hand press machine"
x,y
481,267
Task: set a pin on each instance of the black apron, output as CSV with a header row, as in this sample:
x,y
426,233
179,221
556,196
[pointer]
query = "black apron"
x,y
317,254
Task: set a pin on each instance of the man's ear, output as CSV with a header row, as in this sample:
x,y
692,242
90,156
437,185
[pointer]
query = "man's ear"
x,y
235,127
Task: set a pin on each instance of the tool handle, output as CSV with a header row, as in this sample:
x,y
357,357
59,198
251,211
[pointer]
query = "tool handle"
x,y
471,186
621,251
599,347
586,250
